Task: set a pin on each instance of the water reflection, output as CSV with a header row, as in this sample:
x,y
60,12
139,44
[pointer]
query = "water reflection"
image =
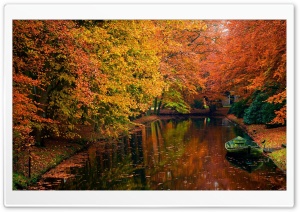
x,y
248,164
173,154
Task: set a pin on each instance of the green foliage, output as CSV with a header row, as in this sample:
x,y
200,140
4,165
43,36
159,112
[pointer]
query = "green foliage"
x,y
180,107
19,181
238,108
261,111
174,100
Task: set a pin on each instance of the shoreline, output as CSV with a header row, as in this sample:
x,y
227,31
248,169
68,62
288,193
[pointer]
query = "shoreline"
x,y
274,139
56,151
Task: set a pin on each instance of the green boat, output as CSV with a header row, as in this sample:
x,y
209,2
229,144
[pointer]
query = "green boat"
x,y
242,145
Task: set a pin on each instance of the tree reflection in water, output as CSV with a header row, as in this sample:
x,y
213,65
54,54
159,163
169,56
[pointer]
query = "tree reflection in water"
x,y
172,154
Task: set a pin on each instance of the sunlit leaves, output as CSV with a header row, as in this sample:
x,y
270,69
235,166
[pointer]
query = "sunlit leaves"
x,y
104,73
126,78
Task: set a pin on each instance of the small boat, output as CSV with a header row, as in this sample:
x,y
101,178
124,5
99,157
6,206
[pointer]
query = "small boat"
x,y
242,145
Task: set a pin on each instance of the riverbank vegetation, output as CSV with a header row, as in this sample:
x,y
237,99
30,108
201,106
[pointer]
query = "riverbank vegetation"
x,y
273,140
101,75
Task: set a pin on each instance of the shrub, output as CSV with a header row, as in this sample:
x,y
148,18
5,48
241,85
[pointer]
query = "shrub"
x,y
238,108
260,111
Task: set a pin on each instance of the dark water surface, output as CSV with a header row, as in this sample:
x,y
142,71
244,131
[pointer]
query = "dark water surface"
x,y
174,154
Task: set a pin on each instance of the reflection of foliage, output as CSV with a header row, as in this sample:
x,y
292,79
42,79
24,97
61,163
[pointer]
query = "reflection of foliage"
x,y
177,132
120,177
173,142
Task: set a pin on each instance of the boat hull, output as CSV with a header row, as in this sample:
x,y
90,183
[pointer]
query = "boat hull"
x,y
240,145
247,151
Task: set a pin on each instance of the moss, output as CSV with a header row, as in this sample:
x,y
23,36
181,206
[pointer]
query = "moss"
x,y
19,181
279,158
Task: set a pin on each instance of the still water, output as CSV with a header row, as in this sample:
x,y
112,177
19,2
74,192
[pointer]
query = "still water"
x,y
170,154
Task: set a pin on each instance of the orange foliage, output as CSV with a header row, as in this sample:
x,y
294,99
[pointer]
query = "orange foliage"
x,y
251,55
104,72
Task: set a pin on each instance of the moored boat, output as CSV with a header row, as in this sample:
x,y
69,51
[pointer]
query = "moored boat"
x,y
242,145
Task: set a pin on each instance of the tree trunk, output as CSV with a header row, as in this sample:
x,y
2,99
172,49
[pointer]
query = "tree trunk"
x,y
148,112
159,106
160,103
155,105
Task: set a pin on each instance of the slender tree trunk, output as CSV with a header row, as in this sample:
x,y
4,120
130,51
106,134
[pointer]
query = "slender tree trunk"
x,y
149,111
160,103
29,166
159,106
155,105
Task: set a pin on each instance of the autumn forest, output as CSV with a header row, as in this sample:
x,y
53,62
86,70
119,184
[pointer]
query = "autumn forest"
x,y
70,75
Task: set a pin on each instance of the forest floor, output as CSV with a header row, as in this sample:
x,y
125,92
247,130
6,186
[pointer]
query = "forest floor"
x,y
42,159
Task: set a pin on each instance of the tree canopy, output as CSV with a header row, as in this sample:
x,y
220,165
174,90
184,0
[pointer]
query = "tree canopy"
x,y
105,73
